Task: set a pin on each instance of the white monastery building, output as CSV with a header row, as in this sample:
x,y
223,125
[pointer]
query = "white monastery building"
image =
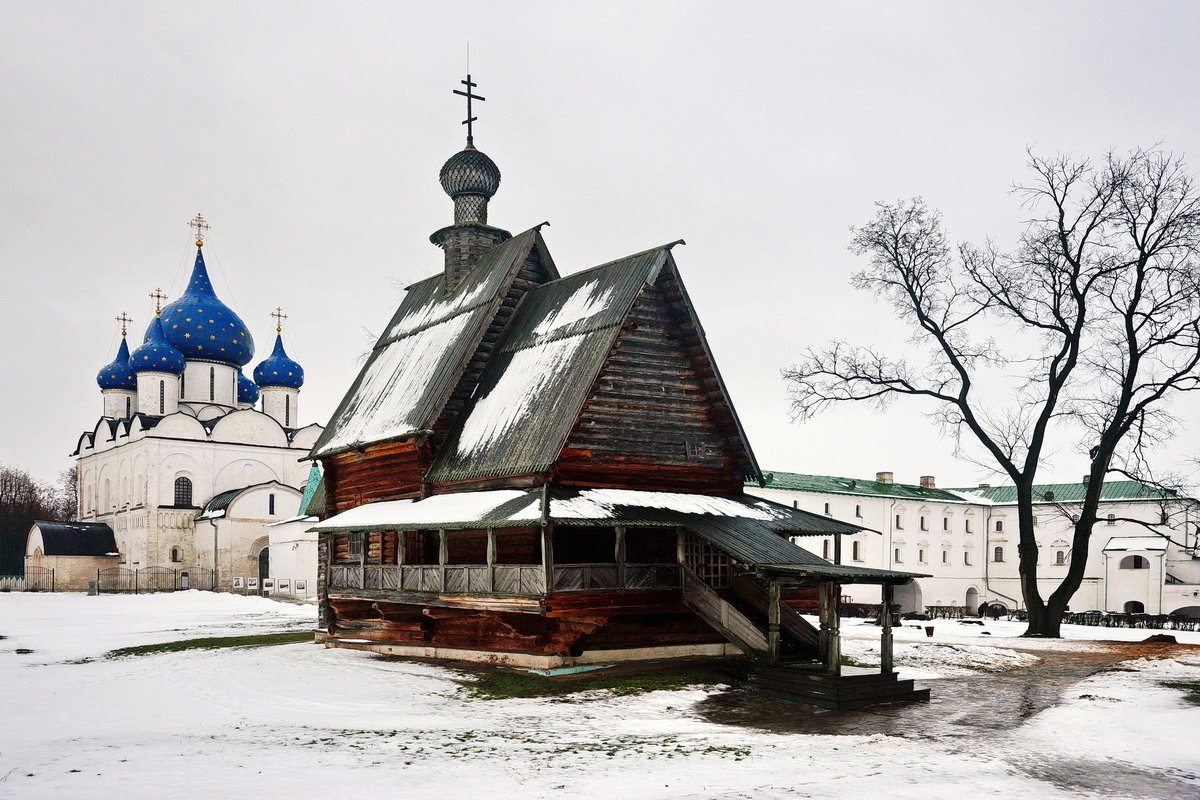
x,y
192,459
1144,555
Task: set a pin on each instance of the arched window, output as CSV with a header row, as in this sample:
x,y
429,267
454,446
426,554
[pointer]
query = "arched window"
x,y
271,504
183,492
1135,562
967,559
212,384
998,554
896,556
945,523
899,523
183,386
825,549
826,505
999,524
1135,607
177,555
967,525
287,422
856,551
128,407
1112,519
1060,557
858,512
945,556
162,398
921,556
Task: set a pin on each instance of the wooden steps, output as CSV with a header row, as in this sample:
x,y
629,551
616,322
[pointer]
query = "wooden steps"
x,y
803,684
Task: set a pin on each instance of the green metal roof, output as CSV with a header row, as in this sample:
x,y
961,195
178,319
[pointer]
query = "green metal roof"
x,y
828,484
313,501
1072,492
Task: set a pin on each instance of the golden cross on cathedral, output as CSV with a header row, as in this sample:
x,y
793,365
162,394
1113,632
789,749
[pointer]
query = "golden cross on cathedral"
x,y
158,296
124,319
279,318
200,225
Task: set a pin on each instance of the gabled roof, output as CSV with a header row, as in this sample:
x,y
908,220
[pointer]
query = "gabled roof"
x,y
313,500
1143,543
76,538
543,369
829,484
419,359
1071,492
539,376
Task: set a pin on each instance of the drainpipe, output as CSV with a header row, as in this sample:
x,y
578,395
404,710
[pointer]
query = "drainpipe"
x,y
215,580
987,543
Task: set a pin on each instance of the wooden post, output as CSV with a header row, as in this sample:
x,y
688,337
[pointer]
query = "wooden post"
x,y
773,623
442,554
885,638
491,559
620,556
548,556
831,644
837,548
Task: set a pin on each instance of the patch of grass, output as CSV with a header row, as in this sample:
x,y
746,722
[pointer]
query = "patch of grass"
x,y
1190,689
499,685
212,643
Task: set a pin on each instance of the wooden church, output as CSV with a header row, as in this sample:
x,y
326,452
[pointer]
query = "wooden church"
x,y
546,471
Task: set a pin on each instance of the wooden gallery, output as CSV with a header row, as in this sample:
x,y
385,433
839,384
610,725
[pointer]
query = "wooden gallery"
x,y
546,471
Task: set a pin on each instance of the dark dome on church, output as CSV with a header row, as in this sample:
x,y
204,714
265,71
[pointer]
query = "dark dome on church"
x,y
203,328
470,172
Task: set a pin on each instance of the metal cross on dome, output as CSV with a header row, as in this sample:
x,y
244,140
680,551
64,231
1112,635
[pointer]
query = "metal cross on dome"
x,y
124,319
470,96
279,318
200,225
158,296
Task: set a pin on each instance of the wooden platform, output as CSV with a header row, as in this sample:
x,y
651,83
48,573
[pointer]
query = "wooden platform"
x,y
854,689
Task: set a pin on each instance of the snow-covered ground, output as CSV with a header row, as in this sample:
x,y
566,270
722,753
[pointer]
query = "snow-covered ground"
x,y
298,720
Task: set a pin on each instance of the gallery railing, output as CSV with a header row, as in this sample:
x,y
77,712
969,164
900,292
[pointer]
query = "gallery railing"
x,y
514,579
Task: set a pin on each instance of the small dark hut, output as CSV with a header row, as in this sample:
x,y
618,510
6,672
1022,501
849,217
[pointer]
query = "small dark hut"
x,y
547,471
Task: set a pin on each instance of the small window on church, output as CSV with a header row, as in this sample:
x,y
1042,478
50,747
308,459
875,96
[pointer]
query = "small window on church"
x,y
825,549
212,384
162,398
287,411
183,492
176,555
183,386
271,504
128,407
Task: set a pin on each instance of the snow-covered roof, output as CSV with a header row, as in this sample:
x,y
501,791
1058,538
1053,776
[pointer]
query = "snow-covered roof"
x,y
1154,543
517,507
420,357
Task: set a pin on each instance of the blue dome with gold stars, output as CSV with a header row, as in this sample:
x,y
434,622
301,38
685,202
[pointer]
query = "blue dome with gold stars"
x,y
117,376
203,328
279,370
247,391
157,355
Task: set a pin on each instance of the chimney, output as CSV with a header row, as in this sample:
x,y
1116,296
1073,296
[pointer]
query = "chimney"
x,y
985,486
927,482
883,477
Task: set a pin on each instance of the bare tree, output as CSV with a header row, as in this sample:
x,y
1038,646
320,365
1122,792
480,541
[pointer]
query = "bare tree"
x,y
1100,302
22,500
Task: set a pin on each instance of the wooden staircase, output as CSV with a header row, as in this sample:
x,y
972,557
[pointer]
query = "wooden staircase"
x,y
796,672
851,690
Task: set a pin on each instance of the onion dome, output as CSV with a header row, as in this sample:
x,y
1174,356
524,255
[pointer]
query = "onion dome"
x,y
470,172
203,328
279,370
118,376
247,391
157,354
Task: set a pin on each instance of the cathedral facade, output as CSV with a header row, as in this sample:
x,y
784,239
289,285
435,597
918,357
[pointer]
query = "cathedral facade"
x,y
192,458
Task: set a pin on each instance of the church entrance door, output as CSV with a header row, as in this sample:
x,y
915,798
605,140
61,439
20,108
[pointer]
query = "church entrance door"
x,y
264,568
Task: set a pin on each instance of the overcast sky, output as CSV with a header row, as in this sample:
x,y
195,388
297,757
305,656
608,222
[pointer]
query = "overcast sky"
x,y
311,137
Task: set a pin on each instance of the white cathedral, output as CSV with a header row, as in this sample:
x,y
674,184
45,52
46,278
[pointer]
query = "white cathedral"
x,y
192,459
